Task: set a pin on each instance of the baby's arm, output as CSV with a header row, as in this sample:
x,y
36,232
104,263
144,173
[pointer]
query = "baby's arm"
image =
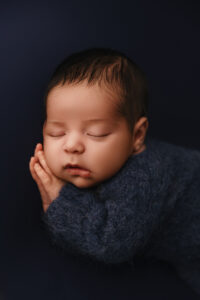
x,y
109,223
103,226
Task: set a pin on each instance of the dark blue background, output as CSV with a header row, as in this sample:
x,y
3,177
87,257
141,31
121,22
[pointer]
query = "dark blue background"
x,y
163,38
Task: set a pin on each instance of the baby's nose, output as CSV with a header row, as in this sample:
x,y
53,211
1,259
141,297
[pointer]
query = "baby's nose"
x,y
73,144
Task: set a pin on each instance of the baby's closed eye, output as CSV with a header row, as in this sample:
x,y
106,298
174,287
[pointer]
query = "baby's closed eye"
x,y
89,134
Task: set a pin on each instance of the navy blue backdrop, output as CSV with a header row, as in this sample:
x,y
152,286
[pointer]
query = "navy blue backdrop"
x,y
163,38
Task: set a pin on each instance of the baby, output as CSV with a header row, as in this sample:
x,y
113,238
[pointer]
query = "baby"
x,y
109,192
95,118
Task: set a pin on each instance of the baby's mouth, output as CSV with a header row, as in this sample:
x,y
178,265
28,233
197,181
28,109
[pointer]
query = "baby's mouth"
x,y
77,170
75,166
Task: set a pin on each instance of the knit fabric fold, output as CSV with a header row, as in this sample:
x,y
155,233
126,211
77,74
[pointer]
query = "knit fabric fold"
x,y
150,207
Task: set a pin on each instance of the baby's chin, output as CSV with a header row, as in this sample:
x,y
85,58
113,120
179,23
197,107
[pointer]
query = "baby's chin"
x,y
82,183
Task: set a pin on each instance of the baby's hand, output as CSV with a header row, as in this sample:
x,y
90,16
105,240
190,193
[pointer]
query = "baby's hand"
x,y
48,184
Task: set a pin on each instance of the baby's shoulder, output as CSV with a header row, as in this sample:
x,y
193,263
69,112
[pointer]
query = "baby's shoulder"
x,y
173,156
161,156
169,148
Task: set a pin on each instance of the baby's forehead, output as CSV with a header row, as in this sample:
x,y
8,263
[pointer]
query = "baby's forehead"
x,y
110,91
88,100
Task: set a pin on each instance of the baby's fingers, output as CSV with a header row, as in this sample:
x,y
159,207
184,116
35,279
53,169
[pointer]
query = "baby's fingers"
x,y
44,177
45,198
35,176
38,148
31,168
40,156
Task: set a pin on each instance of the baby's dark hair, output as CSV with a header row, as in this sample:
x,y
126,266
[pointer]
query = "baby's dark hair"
x,y
119,74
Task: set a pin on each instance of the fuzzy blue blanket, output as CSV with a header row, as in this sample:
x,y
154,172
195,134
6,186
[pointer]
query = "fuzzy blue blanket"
x,y
150,207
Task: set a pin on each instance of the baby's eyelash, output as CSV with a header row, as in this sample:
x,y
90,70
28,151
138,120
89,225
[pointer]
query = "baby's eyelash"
x,y
98,136
55,135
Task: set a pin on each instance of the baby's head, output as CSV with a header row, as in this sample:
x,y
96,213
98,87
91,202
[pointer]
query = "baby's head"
x,y
95,109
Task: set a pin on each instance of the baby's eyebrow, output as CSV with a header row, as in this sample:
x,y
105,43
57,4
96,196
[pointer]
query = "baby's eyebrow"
x,y
85,121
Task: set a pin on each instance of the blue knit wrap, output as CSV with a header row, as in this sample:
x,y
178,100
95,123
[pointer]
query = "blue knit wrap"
x,y
150,207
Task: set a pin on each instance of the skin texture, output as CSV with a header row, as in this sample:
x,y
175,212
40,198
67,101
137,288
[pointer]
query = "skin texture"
x,y
79,142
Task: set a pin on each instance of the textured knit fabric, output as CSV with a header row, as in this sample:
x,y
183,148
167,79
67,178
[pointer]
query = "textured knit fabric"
x,y
150,207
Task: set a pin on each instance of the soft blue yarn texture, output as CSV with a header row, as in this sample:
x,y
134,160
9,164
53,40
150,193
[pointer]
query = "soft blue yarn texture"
x,y
150,208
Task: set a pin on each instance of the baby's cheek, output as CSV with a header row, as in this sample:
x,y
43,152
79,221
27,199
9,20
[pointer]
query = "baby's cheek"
x,y
54,164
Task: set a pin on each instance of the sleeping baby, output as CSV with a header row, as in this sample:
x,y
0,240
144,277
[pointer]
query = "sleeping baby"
x,y
110,192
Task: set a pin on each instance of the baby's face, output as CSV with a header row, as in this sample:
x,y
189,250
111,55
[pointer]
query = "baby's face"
x,y
72,134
